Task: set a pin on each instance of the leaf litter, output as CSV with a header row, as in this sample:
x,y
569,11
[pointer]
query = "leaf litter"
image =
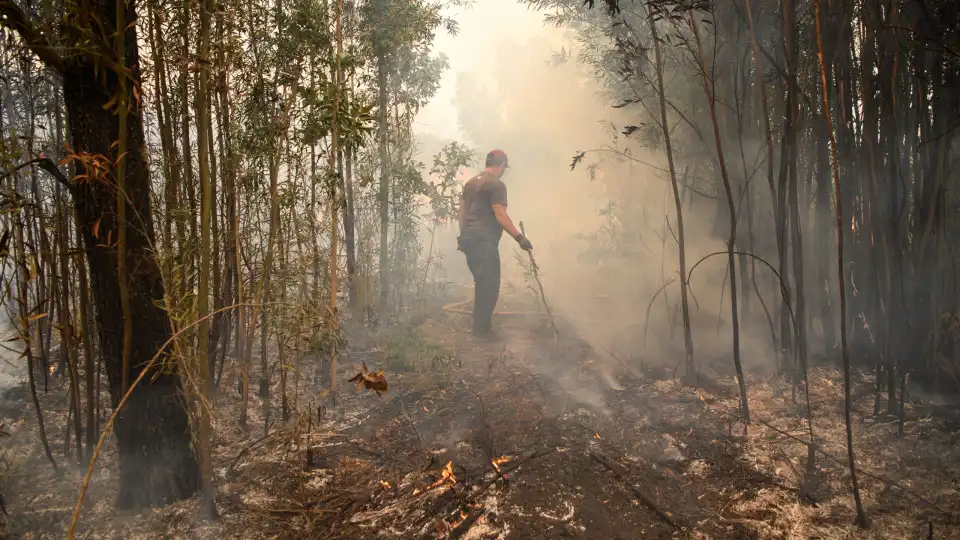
x,y
441,447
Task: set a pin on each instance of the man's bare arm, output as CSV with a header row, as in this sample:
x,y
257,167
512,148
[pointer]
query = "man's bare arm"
x,y
462,213
500,212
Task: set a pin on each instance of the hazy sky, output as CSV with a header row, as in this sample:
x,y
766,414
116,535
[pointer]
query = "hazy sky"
x,y
480,27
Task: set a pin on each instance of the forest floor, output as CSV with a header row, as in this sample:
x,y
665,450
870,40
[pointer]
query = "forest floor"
x,y
587,448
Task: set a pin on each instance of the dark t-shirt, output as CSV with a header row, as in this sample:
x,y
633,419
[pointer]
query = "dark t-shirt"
x,y
480,193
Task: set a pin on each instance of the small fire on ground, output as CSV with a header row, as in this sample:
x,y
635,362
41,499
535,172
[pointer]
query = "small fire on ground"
x,y
385,484
446,475
463,516
444,528
499,461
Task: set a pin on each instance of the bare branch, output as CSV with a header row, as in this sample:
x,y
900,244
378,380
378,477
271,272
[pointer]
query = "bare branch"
x,y
11,16
46,164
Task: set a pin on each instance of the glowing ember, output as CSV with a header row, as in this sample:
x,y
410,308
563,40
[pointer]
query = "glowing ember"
x,y
596,436
499,461
386,485
52,368
463,516
416,491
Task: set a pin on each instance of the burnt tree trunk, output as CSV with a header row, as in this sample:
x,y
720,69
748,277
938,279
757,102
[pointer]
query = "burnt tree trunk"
x,y
157,464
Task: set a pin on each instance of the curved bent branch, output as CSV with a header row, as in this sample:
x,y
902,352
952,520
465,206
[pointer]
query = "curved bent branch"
x,y
12,17
44,163
783,287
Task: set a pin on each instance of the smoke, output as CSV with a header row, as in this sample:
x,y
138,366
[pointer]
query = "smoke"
x,y
12,367
604,232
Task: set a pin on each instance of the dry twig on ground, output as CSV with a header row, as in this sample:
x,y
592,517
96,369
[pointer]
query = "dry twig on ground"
x,y
644,498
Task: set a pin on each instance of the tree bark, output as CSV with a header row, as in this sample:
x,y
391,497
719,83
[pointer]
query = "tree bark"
x,y
157,463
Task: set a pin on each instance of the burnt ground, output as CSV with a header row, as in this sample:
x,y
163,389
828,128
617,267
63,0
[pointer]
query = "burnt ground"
x,y
589,449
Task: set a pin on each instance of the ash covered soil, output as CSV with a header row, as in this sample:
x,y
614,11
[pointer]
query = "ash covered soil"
x,y
524,437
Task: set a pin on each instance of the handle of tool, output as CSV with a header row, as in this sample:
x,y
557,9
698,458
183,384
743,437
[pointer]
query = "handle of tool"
x,y
536,276
532,261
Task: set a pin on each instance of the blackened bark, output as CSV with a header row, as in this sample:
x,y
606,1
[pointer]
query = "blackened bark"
x,y
157,464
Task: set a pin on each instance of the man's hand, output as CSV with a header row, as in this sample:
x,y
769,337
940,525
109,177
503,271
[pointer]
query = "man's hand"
x,y
524,242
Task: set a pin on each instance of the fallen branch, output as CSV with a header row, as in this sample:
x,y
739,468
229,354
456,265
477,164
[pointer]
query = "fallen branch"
x,y
647,501
235,459
844,463
291,510
507,469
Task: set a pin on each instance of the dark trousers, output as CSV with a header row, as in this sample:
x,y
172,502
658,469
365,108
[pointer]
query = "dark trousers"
x,y
483,258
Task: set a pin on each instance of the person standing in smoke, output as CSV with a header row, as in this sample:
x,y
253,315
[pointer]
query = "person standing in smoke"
x,y
483,218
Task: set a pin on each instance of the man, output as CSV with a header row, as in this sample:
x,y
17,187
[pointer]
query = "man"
x,y
483,218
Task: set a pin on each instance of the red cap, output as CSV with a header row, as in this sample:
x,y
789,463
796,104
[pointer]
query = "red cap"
x,y
496,158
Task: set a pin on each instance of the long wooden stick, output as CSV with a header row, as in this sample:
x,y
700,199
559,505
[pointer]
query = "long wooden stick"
x,y
536,276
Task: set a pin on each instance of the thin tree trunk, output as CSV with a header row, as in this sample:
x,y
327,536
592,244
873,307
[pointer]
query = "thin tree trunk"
x,y
732,239
384,188
208,508
844,352
92,384
691,373
334,322
22,300
349,232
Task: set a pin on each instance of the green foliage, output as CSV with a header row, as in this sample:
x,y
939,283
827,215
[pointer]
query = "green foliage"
x,y
420,80
446,164
392,25
406,349
355,117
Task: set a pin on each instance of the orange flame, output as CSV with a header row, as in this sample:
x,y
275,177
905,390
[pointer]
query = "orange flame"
x,y
463,516
499,461
447,475
386,485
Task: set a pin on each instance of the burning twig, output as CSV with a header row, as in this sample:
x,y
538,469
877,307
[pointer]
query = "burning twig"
x,y
369,380
447,474
536,276
647,501
461,528
506,470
